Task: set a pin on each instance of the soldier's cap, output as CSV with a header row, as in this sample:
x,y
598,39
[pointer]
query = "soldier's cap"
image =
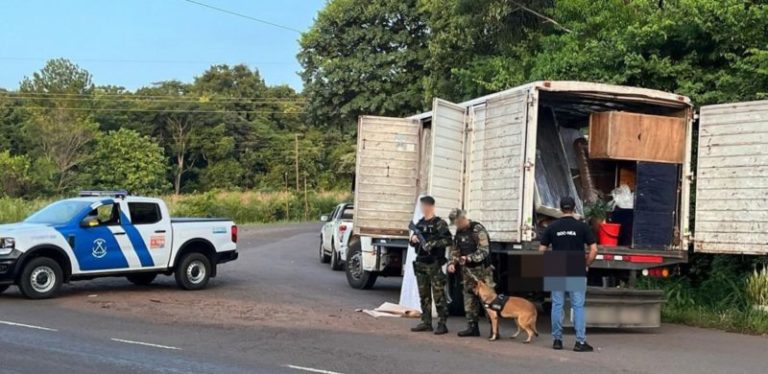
x,y
567,203
429,200
456,213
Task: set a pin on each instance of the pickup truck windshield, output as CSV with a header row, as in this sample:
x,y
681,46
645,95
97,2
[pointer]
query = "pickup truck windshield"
x,y
58,213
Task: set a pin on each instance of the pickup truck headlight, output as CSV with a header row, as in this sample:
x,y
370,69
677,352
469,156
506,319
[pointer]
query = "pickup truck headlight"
x,y
7,245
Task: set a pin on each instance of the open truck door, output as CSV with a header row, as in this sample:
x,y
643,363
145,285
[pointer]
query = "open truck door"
x,y
446,166
732,179
495,164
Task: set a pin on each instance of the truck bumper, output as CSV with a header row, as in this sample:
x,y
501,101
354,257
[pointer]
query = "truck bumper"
x,y
223,257
619,308
8,267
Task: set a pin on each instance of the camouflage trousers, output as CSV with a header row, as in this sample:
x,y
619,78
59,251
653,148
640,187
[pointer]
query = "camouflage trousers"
x,y
431,281
473,307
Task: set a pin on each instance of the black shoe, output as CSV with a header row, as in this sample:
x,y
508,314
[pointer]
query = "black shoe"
x,y
472,330
441,329
422,327
582,347
557,344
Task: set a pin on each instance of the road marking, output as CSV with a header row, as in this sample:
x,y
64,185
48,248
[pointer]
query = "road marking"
x,y
145,344
311,370
27,326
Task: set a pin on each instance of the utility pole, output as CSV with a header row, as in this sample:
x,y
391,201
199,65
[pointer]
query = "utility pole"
x,y
306,201
296,138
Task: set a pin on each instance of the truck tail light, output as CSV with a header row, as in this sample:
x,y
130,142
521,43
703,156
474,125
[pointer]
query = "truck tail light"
x,y
234,234
342,229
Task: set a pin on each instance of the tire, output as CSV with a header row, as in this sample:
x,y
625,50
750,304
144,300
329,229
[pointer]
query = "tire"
x,y
456,293
356,276
41,278
141,279
324,258
4,287
336,263
193,271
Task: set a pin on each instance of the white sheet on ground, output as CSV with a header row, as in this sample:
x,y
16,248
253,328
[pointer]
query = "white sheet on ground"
x,y
392,310
409,291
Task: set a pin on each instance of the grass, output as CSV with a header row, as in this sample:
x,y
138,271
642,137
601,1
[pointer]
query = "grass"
x,y
242,207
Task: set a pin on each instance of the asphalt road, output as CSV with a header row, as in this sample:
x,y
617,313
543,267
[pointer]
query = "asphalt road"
x,y
278,310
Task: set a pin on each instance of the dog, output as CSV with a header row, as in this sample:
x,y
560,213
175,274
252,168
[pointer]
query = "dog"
x,y
522,310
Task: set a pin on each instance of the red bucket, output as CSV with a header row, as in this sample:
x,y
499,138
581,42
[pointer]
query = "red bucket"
x,y
608,234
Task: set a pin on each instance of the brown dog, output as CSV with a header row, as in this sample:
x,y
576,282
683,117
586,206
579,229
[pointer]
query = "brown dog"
x,y
514,307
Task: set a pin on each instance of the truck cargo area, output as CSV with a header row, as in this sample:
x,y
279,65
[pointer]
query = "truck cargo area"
x,y
571,124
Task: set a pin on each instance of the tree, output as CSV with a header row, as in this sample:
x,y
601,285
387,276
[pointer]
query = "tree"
x,y
59,127
364,57
126,159
16,178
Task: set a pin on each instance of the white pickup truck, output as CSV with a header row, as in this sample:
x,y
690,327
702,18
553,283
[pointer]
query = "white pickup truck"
x,y
103,234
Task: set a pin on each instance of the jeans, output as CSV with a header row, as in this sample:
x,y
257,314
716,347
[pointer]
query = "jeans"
x,y
579,322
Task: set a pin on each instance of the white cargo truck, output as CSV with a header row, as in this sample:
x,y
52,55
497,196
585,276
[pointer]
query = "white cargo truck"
x,y
507,157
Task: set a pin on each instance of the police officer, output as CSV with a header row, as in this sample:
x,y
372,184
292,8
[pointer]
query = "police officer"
x,y
569,237
428,266
471,251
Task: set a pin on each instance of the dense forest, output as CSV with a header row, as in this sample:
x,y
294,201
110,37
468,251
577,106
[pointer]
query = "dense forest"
x,y
229,130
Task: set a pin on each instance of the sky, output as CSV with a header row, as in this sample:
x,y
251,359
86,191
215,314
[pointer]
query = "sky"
x,y
133,43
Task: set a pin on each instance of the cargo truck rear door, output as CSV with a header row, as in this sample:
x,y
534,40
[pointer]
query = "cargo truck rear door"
x,y
387,175
446,166
732,179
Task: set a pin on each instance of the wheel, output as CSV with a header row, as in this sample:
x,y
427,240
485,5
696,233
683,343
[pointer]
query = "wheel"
x,y
324,258
336,263
4,287
41,278
456,293
356,276
193,271
141,279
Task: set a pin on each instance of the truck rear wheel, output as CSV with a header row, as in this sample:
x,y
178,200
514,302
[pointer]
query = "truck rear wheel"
x,y
41,278
356,276
141,279
324,258
193,271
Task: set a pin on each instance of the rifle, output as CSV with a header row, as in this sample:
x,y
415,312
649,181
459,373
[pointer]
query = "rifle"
x,y
416,231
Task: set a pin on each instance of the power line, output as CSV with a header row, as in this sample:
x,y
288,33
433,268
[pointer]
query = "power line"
x,y
243,16
545,18
139,61
162,110
97,95
129,99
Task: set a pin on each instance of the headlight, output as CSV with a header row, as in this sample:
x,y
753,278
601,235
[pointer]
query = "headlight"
x,y
7,245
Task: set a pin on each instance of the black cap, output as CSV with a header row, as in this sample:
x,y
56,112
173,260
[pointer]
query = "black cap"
x,y
429,200
567,203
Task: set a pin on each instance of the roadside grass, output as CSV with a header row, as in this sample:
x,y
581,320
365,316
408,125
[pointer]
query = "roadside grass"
x,y
242,207
712,293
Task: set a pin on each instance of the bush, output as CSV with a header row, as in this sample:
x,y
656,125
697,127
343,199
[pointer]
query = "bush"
x,y
757,287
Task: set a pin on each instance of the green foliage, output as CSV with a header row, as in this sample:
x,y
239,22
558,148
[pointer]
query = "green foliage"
x,y
126,159
598,210
15,179
364,58
757,287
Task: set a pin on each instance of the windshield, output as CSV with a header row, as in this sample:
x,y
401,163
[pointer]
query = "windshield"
x,y
58,213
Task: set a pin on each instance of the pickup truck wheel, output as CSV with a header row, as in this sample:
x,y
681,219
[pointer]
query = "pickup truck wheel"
x,y
193,271
141,279
4,287
324,258
356,276
336,263
41,278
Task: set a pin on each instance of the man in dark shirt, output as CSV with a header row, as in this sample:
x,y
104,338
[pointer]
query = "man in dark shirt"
x,y
569,234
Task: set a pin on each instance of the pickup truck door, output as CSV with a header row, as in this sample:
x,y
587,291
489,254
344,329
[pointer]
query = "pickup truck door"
x,y
102,247
732,179
148,227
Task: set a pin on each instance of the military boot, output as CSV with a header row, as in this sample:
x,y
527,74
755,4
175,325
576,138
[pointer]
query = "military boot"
x,y
421,327
441,329
472,330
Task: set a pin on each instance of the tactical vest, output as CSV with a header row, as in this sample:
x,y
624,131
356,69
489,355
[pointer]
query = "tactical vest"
x,y
466,242
429,230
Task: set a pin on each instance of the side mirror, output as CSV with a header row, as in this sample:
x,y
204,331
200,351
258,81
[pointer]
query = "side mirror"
x,y
324,218
89,222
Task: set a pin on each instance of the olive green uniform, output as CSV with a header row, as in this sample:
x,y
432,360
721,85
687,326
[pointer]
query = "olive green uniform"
x,y
428,268
473,243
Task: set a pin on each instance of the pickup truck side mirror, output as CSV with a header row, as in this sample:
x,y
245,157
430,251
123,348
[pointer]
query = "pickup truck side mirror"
x,y
324,218
89,222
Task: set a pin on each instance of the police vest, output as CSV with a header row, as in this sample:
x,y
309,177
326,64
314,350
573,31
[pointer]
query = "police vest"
x,y
465,240
429,231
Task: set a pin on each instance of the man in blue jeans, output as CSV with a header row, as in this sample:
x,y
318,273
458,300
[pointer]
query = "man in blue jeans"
x,y
570,234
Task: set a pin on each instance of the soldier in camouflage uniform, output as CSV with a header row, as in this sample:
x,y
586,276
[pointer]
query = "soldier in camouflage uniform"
x,y
471,252
428,267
